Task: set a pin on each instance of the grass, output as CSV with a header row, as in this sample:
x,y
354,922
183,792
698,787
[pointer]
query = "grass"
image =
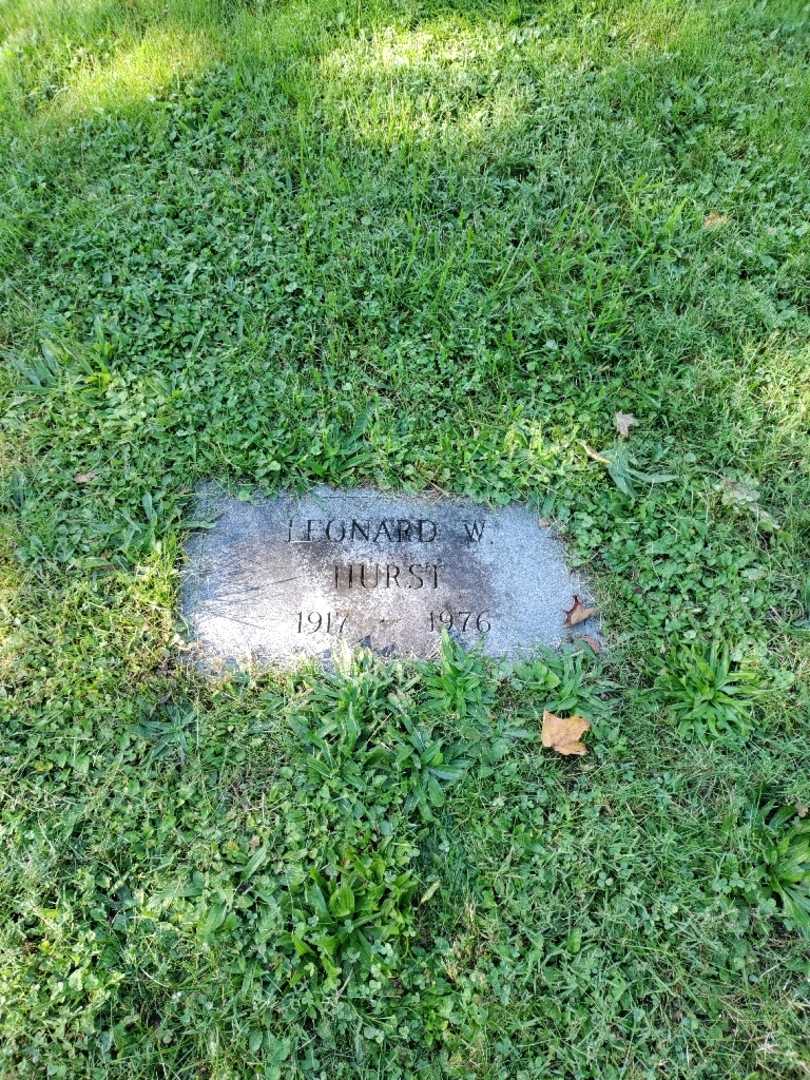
x,y
424,245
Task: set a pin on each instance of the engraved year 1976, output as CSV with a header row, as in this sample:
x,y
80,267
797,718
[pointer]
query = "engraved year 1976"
x,y
461,620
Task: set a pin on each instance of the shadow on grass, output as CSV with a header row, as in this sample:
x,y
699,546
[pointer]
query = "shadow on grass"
x,y
485,222
479,230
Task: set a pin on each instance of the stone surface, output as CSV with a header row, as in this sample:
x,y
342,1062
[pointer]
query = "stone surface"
x,y
279,579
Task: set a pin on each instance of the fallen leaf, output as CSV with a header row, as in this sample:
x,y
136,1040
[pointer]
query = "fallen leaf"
x,y
592,641
84,477
624,421
578,613
741,492
713,220
594,456
431,889
562,733
744,494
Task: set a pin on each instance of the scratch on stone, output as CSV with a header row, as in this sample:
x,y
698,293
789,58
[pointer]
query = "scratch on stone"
x,y
224,598
243,622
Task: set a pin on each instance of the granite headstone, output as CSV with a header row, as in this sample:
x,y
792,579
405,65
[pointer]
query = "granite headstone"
x,y
274,580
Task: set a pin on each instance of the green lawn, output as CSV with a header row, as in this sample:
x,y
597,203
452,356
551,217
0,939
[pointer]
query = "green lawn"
x,y
423,245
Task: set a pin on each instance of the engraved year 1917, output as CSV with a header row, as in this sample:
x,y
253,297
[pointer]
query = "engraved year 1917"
x,y
330,622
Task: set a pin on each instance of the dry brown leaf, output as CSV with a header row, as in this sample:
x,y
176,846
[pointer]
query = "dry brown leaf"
x,y
84,477
624,421
563,733
578,613
713,220
592,641
594,456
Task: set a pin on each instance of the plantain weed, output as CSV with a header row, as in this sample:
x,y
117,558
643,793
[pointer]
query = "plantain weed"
x,y
708,694
784,835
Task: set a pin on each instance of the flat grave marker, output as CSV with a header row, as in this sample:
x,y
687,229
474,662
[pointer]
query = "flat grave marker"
x,y
279,579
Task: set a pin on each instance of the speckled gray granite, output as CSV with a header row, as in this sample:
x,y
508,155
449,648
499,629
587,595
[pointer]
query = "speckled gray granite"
x,y
279,579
